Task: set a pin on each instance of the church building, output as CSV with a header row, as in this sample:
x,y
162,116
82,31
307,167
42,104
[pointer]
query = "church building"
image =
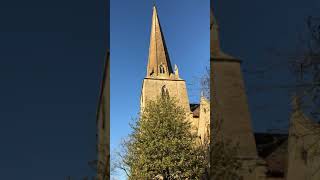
x,y
161,77
265,156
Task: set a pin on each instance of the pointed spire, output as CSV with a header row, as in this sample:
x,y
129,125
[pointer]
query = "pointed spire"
x,y
158,61
215,50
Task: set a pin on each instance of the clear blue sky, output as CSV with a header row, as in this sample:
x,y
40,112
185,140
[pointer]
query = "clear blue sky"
x,y
51,62
185,25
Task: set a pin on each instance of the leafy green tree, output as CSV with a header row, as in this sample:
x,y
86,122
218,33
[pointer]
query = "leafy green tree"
x,y
224,161
162,146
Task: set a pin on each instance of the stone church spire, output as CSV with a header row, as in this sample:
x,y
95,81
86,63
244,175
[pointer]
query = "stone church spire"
x,y
158,61
215,50
230,115
214,32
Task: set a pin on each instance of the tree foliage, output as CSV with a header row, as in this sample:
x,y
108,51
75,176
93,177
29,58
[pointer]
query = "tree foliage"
x,y
162,146
224,161
101,166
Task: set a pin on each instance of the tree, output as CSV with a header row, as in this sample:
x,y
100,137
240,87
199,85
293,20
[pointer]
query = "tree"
x,y
224,163
307,70
162,146
205,84
101,166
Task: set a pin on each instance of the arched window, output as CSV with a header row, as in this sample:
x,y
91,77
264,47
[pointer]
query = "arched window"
x,y
164,91
161,69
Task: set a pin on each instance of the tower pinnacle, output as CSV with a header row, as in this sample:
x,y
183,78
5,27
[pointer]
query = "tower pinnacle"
x,y
215,49
158,61
214,29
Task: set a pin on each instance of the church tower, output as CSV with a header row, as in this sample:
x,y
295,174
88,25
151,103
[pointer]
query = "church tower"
x,y
230,112
160,75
